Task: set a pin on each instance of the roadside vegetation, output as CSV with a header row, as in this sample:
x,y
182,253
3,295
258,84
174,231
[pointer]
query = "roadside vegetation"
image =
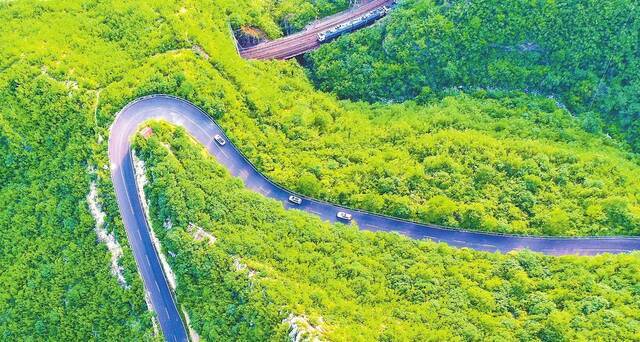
x,y
267,265
504,164
55,278
586,54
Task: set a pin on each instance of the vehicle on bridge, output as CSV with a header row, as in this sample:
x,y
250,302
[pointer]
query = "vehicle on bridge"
x,y
353,24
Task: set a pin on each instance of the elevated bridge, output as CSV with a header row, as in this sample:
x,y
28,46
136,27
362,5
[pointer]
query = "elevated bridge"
x,y
307,39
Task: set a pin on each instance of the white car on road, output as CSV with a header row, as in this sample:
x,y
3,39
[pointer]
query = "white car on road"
x,y
295,199
344,216
219,139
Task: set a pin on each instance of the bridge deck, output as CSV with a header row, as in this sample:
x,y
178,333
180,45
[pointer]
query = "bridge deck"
x,y
306,40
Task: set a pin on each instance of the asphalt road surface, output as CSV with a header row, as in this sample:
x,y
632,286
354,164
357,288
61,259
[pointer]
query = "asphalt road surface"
x,y
203,128
307,39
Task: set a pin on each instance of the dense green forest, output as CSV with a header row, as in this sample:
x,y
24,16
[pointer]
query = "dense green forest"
x,y
264,263
482,161
55,60
585,54
59,62
55,282
464,162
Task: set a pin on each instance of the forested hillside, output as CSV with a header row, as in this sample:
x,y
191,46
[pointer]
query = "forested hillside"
x,y
58,280
483,161
480,161
586,54
264,267
55,281
516,165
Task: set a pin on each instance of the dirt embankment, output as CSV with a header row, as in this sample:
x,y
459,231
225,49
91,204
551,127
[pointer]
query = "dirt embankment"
x,y
248,36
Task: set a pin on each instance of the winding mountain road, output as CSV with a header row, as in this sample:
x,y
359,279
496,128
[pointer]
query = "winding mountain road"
x,y
203,128
306,40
